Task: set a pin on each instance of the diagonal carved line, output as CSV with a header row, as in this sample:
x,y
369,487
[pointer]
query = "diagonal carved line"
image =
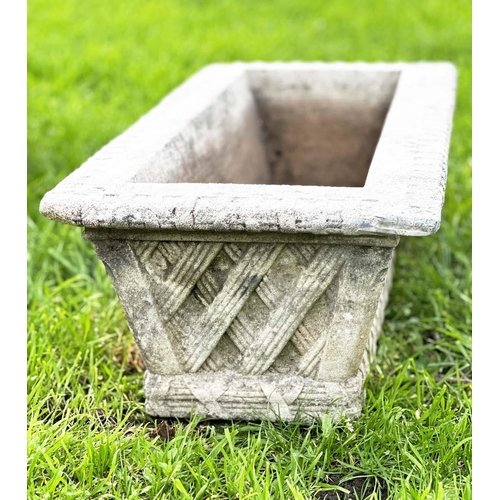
x,y
303,339
186,272
169,251
233,251
237,331
202,293
178,284
141,246
177,328
266,294
207,288
240,334
302,252
198,293
306,250
214,364
147,249
241,337
285,319
207,293
240,283
311,359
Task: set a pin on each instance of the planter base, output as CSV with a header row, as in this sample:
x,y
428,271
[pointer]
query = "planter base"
x,y
236,397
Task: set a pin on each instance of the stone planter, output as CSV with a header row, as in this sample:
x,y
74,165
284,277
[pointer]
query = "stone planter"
x,y
248,224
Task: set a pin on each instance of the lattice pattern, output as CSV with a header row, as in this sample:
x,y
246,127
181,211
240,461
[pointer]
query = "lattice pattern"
x,y
237,307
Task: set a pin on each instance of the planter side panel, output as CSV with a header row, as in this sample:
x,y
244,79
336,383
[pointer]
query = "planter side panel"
x,y
219,317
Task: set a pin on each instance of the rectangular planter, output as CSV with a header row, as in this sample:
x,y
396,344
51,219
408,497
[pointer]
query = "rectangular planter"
x,y
248,224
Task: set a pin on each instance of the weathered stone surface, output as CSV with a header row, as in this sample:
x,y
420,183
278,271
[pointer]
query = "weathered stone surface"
x,y
231,329
201,160
249,221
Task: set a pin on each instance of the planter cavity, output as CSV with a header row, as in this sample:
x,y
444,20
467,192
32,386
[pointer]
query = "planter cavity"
x,y
248,224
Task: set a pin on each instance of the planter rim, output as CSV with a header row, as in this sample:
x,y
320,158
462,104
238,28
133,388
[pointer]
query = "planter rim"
x,y
403,193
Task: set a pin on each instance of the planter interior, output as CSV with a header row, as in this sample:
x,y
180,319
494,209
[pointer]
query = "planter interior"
x,y
249,221
296,128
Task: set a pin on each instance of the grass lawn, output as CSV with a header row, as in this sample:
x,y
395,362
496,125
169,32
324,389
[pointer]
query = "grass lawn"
x,y
94,68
